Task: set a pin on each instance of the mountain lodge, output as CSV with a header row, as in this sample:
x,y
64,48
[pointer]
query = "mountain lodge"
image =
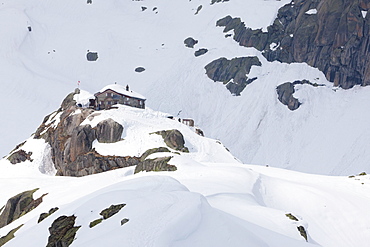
x,y
116,94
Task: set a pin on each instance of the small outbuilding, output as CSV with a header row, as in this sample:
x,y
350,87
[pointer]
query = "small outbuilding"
x,y
117,94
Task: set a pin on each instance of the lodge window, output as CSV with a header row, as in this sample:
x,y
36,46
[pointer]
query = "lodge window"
x,y
109,94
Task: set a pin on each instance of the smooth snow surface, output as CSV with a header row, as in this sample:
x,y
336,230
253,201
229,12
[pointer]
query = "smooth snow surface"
x,y
328,134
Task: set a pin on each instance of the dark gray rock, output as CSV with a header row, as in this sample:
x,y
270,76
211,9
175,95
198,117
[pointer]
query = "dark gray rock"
x,y
200,52
108,131
157,164
198,9
19,156
335,40
218,1
18,206
45,215
190,42
236,69
285,95
92,56
286,90
62,232
173,139
140,69
124,221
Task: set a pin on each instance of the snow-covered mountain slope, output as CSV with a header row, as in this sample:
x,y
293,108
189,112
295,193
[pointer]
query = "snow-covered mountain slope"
x,y
210,200
326,135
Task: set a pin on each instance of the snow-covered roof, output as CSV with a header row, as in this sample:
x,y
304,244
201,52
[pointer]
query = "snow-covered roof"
x,y
122,90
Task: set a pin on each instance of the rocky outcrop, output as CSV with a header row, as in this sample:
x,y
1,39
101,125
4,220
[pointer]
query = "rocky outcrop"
x,y
190,42
71,142
45,215
302,231
286,90
112,210
62,232
331,35
18,206
173,139
218,1
200,52
19,156
156,165
233,73
9,236
107,213
285,95
92,163
109,131
152,151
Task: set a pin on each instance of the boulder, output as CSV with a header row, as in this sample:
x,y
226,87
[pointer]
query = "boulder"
x,y
173,139
62,232
92,56
108,131
200,52
190,42
139,69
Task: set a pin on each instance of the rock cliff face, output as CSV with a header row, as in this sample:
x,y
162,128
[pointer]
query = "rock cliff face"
x,y
71,143
331,35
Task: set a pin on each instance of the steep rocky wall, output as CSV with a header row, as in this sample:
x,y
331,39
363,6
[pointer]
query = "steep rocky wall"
x,y
71,143
331,35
